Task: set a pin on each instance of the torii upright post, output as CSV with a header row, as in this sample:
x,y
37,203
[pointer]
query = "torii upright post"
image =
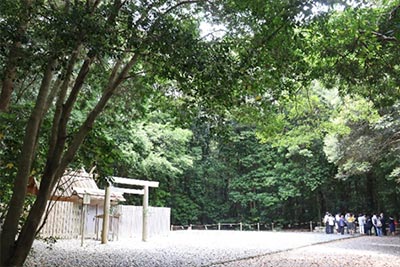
x,y
104,233
145,192
145,229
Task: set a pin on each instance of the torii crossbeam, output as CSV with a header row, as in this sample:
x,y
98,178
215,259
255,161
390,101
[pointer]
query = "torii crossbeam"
x,y
144,192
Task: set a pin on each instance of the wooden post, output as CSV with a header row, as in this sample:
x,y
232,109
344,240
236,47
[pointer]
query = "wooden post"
x,y
83,217
240,226
258,227
219,226
311,229
272,226
96,225
85,203
145,213
106,213
144,192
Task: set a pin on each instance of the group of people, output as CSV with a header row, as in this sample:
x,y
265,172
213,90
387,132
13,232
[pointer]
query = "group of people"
x,y
369,225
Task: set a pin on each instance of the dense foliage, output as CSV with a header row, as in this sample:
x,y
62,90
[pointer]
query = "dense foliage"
x,y
290,109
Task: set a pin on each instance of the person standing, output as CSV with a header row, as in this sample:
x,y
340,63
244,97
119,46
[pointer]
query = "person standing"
x,y
350,223
331,222
383,221
368,225
361,223
342,224
325,220
374,220
346,216
379,226
337,219
392,226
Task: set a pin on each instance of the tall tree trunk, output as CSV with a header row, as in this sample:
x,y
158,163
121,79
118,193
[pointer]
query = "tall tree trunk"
x,y
28,232
323,206
50,177
55,168
10,227
371,191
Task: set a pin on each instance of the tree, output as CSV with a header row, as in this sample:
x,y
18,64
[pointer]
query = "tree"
x,y
360,61
276,183
363,146
105,47
65,61
356,48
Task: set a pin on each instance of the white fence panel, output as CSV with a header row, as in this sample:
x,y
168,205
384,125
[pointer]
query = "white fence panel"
x,y
131,220
64,221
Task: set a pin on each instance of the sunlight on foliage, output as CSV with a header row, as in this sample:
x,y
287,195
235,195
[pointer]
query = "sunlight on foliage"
x,y
395,174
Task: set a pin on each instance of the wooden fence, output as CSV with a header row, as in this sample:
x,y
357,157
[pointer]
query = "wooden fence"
x,y
65,219
306,226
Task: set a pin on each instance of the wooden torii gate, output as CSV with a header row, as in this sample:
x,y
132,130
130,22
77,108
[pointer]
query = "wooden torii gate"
x,y
144,192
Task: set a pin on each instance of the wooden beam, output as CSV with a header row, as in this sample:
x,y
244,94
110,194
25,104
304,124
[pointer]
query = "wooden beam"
x,y
127,190
120,180
144,192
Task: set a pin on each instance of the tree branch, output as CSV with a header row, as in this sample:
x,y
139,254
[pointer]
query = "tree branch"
x,y
60,101
87,125
383,37
189,2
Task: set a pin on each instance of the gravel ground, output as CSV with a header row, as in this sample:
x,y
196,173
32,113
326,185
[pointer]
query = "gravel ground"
x,y
363,251
221,249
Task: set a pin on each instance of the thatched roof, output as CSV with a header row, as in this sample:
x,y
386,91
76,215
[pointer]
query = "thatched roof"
x,y
73,185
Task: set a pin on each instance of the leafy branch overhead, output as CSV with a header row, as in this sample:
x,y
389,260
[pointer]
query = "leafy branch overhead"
x,y
142,88
81,48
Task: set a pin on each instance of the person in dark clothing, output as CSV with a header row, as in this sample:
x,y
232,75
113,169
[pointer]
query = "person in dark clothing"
x,y
368,225
383,221
392,226
342,224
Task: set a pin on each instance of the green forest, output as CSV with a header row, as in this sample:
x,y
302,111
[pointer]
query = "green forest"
x,y
244,110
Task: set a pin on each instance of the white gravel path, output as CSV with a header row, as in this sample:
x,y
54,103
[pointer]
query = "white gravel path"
x,y
179,248
365,251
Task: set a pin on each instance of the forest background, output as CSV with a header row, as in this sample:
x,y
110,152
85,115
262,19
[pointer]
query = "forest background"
x,y
251,111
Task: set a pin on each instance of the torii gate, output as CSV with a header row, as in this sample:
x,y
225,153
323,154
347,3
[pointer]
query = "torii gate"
x,y
144,192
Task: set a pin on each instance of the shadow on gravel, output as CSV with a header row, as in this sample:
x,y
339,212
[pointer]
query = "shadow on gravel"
x,y
361,250
319,239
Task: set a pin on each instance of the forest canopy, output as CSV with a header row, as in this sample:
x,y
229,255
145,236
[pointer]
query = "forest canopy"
x,y
285,110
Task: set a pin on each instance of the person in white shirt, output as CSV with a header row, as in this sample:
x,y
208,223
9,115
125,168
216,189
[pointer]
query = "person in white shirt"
x,y
325,220
337,218
331,222
361,222
374,220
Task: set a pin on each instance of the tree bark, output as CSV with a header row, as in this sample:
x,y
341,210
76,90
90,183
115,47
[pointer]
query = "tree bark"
x,y
10,227
54,170
51,174
371,191
28,232
10,73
